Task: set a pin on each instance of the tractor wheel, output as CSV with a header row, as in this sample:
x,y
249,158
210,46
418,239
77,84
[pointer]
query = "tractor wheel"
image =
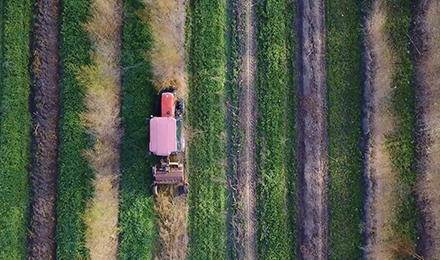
x,y
185,188
154,190
180,108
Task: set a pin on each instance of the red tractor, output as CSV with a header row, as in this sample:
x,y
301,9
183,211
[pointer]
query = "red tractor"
x,y
167,142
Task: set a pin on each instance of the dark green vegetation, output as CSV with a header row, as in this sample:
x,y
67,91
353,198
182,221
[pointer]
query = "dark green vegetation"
x,y
274,132
74,181
15,127
136,219
343,22
206,147
400,143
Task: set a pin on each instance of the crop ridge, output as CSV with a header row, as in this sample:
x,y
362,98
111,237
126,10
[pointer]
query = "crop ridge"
x,y
428,133
102,83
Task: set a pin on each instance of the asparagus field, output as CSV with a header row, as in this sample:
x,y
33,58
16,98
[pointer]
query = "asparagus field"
x,y
311,129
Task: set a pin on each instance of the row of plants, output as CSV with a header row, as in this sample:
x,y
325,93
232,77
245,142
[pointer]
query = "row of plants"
x,y
136,219
206,123
74,186
15,127
343,45
400,143
274,131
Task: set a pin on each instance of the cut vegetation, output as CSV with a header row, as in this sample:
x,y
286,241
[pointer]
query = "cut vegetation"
x,y
102,83
391,212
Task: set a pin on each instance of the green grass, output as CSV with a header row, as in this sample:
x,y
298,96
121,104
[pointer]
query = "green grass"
x,y
136,218
207,216
15,127
74,186
274,233
343,22
400,143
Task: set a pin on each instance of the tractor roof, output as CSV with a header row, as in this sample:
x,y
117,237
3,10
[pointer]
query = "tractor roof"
x,y
163,136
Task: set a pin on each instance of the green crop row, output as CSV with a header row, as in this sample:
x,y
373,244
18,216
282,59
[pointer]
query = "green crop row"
x,y
400,143
274,132
74,186
343,22
206,147
136,219
15,127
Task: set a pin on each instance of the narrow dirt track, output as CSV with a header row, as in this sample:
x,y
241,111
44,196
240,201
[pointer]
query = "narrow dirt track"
x,y
45,112
246,166
312,133
426,34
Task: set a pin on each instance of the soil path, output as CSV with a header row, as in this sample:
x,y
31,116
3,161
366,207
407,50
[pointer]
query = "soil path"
x,y
45,112
380,238
246,166
312,133
426,35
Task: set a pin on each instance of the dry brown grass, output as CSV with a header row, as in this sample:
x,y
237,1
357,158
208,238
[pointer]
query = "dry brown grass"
x,y
384,243
429,121
101,81
172,212
166,19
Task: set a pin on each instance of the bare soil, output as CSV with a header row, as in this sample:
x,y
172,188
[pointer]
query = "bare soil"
x,y
426,37
245,194
45,112
312,133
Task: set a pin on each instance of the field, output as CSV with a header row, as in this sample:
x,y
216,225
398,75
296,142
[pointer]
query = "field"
x,y
311,129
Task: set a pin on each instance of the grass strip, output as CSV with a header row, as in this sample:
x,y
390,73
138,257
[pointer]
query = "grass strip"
x,y
136,218
207,216
343,23
272,78
14,127
400,143
74,181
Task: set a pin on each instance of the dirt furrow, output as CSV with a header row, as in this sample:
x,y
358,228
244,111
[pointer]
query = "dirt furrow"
x,y
45,112
312,133
246,166
426,34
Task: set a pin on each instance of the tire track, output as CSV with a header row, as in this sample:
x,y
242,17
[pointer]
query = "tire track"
x,y
426,34
246,166
45,110
312,133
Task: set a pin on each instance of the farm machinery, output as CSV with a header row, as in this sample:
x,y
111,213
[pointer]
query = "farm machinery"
x,y
167,143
